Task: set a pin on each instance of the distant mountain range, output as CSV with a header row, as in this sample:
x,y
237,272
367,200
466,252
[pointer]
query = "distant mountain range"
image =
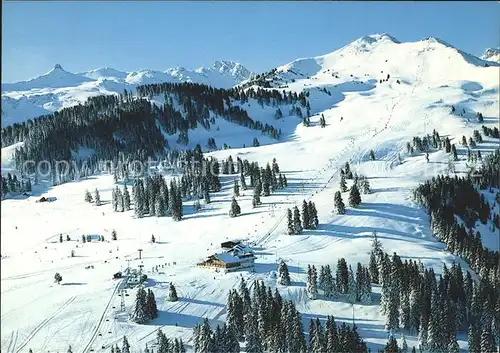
x,y
59,88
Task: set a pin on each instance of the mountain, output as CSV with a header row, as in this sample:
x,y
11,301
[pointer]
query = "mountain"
x,y
55,78
491,54
59,88
388,108
384,53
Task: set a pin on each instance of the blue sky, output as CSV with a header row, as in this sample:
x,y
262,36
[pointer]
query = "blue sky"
x,y
261,35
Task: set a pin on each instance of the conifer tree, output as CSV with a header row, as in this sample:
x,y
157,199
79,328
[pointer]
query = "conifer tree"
x,y
243,181
88,196
354,196
338,203
297,225
139,314
290,224
256,195
313,215
283,275
342,276
372,155
114,200
306,222
351,287
172,293
236,189
126,198
125,345
343,185
312,282
113,235
235,209
97,197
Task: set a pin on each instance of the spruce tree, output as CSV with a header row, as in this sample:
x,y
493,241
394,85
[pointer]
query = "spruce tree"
x,y
343,185
283,275
172,293
354,196
351,287
125,345
372,155
113,235
338,203
243,181
312,282
235,209
306,222
139,314
236,189
97,197
88,196
256,195
151,307
297,225
126,198
290,224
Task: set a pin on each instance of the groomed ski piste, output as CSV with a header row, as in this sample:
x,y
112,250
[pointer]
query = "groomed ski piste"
x,y
84,310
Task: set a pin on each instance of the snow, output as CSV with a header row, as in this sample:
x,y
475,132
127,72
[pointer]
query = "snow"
x,y
38,314
58,88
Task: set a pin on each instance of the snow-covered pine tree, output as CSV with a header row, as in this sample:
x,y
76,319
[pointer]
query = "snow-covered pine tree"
x,y
342,276
297,225
313,215
306,223
114,201
351,287
119,200
290,225
88,196
236,189
97,197
453,346
243,181
354,196
338,203
235,209
404,344
113,235
312,282
126,198
487,343
139,314
347,171
283,274
161,207
256,195
172,293
151,307
125,345
474,339
343,185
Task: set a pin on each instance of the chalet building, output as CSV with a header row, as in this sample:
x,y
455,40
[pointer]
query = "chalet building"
x,y
230,244
240,256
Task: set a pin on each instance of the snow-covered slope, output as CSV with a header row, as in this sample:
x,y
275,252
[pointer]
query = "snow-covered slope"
x,y
491,54
58,88
361,114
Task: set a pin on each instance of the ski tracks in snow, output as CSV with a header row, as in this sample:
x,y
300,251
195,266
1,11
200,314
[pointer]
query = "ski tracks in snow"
x,y
101,320
42,325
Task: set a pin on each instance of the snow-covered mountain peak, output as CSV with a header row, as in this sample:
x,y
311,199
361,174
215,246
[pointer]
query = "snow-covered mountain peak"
x,y
492,54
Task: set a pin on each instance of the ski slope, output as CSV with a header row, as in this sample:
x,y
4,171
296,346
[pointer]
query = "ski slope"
x,y
84,310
